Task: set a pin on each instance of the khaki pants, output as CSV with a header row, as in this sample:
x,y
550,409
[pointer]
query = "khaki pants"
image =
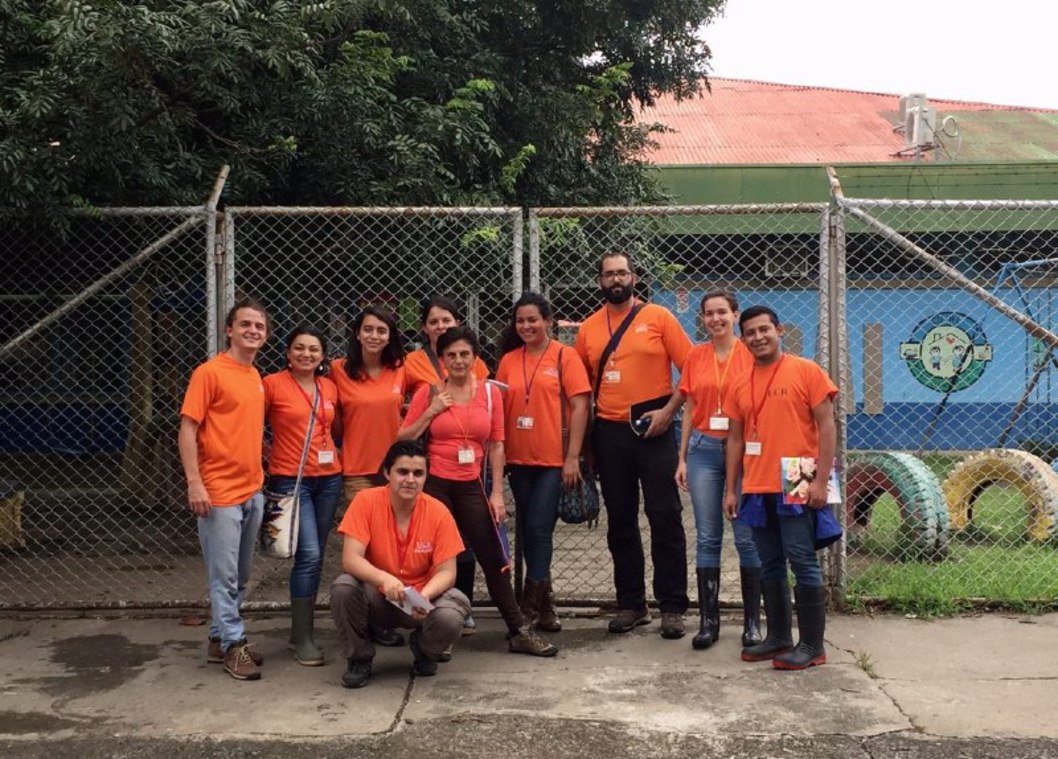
x,y
356,607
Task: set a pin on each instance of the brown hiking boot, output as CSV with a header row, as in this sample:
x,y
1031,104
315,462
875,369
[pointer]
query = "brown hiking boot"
x,y
672,625
239,663
528,642
215,654
548,620
628,619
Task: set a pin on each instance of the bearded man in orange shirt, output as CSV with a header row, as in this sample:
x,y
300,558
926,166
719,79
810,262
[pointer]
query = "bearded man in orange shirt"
x,y
629,349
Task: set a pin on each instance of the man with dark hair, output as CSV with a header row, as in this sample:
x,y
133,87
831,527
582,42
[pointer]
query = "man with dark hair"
x,y
784,409
399,562
629,349
221,431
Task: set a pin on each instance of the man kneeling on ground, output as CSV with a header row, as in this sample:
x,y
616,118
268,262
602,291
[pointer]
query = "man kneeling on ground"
x,y
398,538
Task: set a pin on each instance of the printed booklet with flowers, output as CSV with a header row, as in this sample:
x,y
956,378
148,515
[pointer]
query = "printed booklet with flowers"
x,y
798,472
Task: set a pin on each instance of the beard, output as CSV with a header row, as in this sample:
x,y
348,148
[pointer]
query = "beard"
x,y
617,294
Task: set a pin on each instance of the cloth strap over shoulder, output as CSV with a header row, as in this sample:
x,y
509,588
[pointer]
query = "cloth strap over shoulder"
x,y
611,346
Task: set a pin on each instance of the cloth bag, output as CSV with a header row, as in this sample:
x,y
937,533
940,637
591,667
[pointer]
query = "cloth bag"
x,y
278,536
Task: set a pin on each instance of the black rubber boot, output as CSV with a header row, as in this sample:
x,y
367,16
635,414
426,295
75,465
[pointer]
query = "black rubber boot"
x,y
811,624
750,580
709,607
780,617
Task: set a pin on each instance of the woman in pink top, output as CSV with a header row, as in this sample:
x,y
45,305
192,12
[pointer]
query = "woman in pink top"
x,y
463,418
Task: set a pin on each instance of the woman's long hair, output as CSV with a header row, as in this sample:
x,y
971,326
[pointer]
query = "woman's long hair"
x,y
392,354
510,340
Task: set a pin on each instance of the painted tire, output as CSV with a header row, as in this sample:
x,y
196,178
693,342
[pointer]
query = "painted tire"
x,y
1029,474
916,489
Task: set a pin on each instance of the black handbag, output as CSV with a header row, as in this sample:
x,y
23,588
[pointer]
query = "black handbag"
x,y
581,503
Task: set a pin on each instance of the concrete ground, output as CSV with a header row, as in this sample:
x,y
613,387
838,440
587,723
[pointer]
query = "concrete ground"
x,y
978,686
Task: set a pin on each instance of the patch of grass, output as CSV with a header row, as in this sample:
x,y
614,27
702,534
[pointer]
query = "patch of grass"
x,y
865,661
992,558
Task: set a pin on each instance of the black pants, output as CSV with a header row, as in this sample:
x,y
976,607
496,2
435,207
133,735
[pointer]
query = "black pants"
x,y
466,501
624,461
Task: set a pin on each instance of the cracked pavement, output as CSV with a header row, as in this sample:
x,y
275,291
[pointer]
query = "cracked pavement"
x,y
979,686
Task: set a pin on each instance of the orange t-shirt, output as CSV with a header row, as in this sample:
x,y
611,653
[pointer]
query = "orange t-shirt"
x,y
419,371
711,383
288,407
784,422
226,398
642,363
534,394
459,426
370,417
431,540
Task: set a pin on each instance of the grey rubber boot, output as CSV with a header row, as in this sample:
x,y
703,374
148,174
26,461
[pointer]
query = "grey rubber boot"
x,y
302,617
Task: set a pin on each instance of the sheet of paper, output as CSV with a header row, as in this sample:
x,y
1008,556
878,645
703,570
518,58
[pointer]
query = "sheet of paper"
x,y
413,599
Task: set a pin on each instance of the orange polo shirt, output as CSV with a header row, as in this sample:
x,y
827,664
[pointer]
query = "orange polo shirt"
x,y
419,371
431,540
642,363
226,398
711,383
370,417
288,408
534,394
784,422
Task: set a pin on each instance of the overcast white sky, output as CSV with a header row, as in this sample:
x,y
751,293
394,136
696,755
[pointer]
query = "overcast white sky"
x,y
1000,52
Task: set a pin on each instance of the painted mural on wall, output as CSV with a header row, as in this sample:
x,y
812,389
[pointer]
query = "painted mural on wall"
x,y
947,352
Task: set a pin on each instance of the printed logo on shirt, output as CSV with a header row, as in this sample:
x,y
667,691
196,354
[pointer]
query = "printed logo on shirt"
x,y
423,546
328,405
551,372
641,328
396,390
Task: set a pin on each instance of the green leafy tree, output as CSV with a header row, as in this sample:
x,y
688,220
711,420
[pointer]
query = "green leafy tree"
x,y
339,101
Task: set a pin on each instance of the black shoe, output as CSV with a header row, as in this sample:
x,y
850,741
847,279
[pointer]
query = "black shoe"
x,y
709,607
386,636
629,619
357,673
423,665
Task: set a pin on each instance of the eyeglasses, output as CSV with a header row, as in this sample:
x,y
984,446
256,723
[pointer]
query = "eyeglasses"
x,y
610,276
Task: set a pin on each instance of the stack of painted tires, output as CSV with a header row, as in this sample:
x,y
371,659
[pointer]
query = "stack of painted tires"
x,y
924,518
1028,474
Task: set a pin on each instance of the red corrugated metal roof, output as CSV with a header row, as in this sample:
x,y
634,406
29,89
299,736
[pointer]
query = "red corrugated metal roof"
x,y
747,122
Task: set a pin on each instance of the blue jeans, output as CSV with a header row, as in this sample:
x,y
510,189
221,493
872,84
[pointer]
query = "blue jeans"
x,y
319,501
228,535
788,539
536,490
705,480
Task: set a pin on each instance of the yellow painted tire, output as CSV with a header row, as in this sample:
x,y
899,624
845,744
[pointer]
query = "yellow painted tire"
x,y
1028,474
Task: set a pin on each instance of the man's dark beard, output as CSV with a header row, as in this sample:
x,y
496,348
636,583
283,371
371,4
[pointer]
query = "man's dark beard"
x,y
617,294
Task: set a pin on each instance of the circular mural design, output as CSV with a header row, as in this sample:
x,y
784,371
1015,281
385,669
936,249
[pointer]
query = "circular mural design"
x,y
947,352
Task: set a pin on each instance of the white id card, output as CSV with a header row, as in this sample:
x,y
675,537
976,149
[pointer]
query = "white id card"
x,y
325,457
719,423
611,376
466,456
753,448
525,422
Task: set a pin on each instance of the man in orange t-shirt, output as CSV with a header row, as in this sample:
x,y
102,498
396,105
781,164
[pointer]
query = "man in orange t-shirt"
x,y
783,409
637,375
400,549
221,431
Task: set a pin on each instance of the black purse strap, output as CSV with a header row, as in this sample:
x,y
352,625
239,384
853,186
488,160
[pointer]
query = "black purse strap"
x,y
433,360
611,346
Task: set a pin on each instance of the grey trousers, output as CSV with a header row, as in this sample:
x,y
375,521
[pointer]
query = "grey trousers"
x,y
355,606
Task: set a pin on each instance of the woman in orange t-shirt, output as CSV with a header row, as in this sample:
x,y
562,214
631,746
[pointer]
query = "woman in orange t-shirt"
x,y
541,375
371,388
423,367
293,397
711,374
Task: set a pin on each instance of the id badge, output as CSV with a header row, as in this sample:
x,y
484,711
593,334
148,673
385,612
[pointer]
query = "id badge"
x,y
525,422
325,457
466,456
753,448
612,376
719,423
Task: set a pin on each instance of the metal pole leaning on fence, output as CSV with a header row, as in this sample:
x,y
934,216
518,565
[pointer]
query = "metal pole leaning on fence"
x,y
101,283
1031,326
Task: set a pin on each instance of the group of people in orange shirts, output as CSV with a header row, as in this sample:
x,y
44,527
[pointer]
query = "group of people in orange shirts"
x,y
746,406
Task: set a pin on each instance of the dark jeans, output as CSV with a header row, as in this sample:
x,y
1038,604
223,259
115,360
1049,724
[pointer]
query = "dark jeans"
x,y
788,539
624,462
536,490
466,501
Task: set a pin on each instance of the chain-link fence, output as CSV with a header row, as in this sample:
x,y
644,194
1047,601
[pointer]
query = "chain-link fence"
x,y
951,343
103,319
936,320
